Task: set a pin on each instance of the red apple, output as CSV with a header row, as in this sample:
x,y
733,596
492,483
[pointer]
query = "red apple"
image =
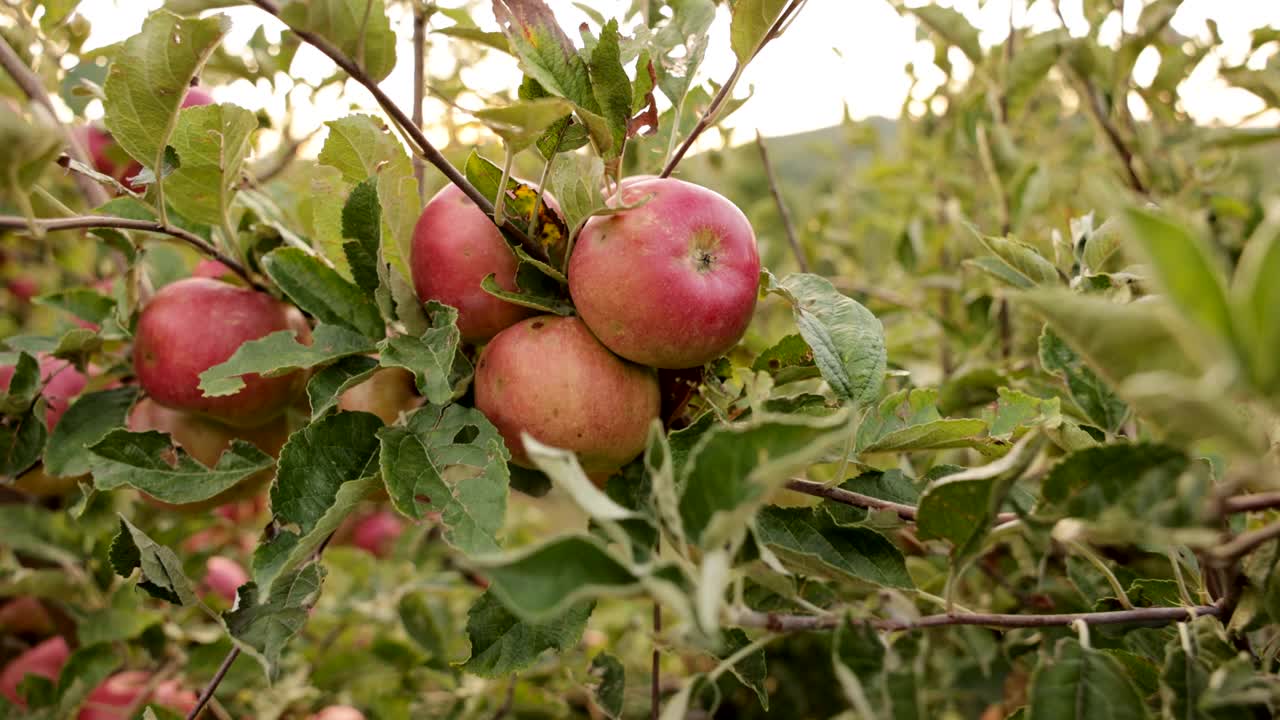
x,y
672,283
223,576
117,694
550,377
45,660
193,324
377,533
455,246
25,616
389,392
24,288
206,440
210,269
338,712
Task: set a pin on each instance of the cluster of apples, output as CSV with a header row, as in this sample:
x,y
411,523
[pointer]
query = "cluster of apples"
x,y
119,694
670,283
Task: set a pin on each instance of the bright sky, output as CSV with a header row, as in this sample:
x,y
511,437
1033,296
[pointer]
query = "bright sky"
x,y
836,52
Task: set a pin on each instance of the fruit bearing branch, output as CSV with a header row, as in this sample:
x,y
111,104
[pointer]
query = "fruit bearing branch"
x,y
80,222
404,122
775,622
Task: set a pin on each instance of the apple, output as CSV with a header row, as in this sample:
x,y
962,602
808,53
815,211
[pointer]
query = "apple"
x,y
24,288
208,268
25,616
45,660
193,324
377,533
62,383
387,393
670,284
206,440
550,377
223,576
338,712
117,694
455,246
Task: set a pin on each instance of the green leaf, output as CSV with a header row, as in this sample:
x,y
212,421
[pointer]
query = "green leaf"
x,y
213,142
960,507
149,77
262,627
449,460
361,147
321,291
325,387
494,40
362,224
1095,398
545,303
40,533
162,575
952,27
425,622
1255,299
550,235
1080,683
279,353
788,360
576,181
522,123
22,439
1022,258
1184,266
546,54
318,460
24,384
611,87
1088,482
812,543
1034,59
733,469
846,338
126,618
750,24
88,419
439,370
608,684
502,644
87,304
359,28
148,461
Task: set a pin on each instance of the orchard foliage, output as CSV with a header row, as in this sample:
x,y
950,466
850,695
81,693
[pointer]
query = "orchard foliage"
x,y
1004,446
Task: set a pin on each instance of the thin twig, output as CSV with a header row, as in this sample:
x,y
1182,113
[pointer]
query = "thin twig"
x,y
785,214
1244,543
212,687
726,90
1137,616
81,222
655,683
509,702
422,145
1093,104
855,499
1249,503
419,86
34,89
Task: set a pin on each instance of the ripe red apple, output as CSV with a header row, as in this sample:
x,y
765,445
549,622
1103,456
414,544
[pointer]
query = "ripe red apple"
x,y
45,660
550,377
117,694
338,712
671,284
223,576
206,440
193,324
24,288
455,246
389,392
210,269
377,533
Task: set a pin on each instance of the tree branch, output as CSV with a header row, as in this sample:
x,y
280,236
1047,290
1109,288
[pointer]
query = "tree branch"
x,y
80,222
1249,503
1245,543
787,225
207,694
419,83
34,89
774,622
405,123
855,499
726,90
